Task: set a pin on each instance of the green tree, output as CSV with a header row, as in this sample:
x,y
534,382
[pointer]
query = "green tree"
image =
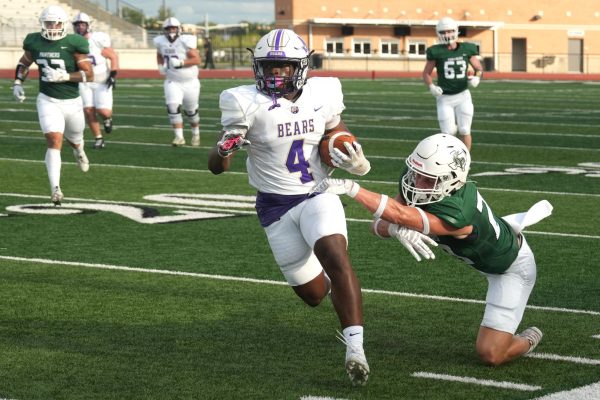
x,y
134,16
164,13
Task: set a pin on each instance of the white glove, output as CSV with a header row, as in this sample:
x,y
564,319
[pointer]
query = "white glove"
x,y
176,62
474,81
337,186
55,75
355,162
415,242
19,92
436,91
231,142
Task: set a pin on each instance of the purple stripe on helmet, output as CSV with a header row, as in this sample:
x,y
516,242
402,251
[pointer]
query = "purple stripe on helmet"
x,y
278,37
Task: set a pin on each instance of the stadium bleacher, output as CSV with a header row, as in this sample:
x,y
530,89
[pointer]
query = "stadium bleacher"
x,y
20,17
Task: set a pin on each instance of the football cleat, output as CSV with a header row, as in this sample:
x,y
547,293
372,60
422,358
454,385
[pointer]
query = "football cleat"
x,y
57,196
99,143
178,142
195,140
356,362
108,125
82,160
533,335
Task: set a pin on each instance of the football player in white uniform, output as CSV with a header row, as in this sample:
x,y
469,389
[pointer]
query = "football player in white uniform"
x,y
280,122
178,58
63,62
97,96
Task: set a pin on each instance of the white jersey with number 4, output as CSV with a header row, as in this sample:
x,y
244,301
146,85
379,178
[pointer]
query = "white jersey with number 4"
x,y
177,49
98,41
283,156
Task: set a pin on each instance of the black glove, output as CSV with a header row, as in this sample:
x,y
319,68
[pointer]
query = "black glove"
x,y
112,81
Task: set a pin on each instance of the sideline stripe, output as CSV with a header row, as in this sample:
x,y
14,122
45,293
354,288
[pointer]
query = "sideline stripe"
x,y
475,381
555,357
588,392
271,282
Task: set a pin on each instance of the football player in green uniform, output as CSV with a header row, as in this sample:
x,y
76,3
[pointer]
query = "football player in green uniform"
x,y
451,59
63,63
436,199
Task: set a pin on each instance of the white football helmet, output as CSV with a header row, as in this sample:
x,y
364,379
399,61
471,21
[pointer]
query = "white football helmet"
x,y
286,47
447,30
172,22
54,23
436,168
82,17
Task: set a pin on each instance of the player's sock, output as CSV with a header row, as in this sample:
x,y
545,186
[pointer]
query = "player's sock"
x,y
179,133
53,163
354,334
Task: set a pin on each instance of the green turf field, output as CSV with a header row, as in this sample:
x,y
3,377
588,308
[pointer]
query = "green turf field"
x,y
154,280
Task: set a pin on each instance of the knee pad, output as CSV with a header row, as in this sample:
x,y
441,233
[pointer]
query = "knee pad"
x,y
174,111
192,116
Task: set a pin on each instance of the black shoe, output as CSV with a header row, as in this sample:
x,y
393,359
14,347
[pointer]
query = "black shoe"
x,y
108,125
99,143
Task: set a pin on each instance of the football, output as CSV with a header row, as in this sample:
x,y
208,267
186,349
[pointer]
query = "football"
x,y
329,141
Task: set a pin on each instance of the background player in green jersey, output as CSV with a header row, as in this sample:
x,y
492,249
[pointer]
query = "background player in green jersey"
x,y
63,63
451,59
436,199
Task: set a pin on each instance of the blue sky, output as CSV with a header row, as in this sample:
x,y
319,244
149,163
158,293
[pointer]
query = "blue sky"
x,y
221,12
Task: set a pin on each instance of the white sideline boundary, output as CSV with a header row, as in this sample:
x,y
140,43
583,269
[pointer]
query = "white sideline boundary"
x,y
270,282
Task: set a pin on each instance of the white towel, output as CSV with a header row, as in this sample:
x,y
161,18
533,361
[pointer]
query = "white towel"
x,y
535,214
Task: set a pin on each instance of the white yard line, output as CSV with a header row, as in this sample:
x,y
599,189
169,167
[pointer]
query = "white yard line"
x,y
475,381
555,357
588,392
270,282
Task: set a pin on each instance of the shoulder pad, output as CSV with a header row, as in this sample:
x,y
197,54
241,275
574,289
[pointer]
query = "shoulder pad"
x,y
189,41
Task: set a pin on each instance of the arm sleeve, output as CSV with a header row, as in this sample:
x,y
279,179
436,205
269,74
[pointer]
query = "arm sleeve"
x,y
103,39
232,113
331,90
189,41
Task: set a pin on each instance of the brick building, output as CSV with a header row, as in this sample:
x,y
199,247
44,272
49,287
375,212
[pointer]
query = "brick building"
x,y
557,36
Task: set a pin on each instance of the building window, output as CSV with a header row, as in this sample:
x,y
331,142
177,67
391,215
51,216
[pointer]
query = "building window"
x,y
334,46
389,47
362,46
417,48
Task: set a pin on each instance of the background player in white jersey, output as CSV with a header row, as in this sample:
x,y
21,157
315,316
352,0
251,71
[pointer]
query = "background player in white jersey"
x,y
178,59
435,198
97,96
63,62
280,122
452,59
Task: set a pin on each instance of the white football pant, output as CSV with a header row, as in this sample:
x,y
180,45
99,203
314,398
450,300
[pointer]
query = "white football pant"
x,y
455,113
508,293
293,237
64,116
